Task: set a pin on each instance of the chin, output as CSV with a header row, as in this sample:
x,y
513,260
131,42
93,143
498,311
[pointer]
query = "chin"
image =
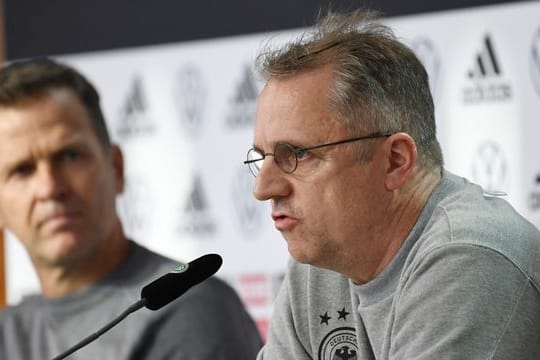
x,y
299,254
63,249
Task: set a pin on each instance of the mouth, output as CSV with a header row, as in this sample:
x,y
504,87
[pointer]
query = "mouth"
x,y
58,221
284,222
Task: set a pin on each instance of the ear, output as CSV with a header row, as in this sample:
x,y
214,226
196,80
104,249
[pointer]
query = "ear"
x,y
118,165
402,154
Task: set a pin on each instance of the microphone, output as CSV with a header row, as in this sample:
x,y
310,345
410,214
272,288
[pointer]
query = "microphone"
x,y
160,292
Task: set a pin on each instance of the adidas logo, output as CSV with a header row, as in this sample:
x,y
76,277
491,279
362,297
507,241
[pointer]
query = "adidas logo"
x,y
244,102
196,202
133,119
486,76
246,91
195,214
486,63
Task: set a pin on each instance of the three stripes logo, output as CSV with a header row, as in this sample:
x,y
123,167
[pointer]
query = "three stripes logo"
x,y
196,219
486,77
244,102
486,63
133,117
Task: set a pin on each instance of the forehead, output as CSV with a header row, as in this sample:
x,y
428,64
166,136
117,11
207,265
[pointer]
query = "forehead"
x,y
58,106
53,118
296,108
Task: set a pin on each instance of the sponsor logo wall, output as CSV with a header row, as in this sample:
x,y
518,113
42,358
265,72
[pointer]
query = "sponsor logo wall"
x,y
184,113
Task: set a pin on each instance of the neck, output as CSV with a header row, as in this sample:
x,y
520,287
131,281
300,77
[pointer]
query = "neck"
x,y
401,214
62,280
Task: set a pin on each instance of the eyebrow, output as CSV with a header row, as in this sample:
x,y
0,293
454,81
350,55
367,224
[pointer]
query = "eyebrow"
x,y
292,143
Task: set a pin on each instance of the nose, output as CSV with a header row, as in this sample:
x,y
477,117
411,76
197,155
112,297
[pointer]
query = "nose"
x,y
48,182
271,182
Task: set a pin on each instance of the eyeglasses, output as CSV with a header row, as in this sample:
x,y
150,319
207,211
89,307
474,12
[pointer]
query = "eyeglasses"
x,y
286,155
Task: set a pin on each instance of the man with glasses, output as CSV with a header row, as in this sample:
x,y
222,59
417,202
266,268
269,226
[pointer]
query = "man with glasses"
x,y
393,257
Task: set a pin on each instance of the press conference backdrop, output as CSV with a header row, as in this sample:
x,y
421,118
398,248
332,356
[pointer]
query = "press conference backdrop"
x,y
184,113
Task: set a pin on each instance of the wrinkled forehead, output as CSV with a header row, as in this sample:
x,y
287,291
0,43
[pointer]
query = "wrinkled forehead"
x,y
296,110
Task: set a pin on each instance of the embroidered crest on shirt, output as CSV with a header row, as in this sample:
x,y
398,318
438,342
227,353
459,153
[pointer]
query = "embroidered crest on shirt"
x,y
340,342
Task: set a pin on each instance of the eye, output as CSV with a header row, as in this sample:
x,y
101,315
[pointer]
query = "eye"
x,y
301,153
69,155
22,170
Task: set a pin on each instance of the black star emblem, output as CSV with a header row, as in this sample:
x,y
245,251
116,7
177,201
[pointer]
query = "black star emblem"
x,y
325,318
343,314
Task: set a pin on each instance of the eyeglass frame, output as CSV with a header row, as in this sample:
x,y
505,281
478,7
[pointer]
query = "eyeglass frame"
x,y
296,150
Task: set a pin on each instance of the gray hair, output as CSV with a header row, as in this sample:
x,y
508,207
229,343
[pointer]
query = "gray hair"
x,y
380,85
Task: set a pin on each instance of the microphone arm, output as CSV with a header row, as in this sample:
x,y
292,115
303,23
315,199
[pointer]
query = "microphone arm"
x,y
136,306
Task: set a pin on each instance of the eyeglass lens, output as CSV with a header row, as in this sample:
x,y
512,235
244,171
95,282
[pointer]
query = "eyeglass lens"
x,y
255,160
284,155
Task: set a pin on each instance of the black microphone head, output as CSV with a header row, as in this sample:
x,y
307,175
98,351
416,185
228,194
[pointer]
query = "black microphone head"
x,y
170,286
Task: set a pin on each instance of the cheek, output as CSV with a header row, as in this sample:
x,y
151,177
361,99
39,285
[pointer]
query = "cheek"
x,y
15,204
15,215
96,188
324,209
345,205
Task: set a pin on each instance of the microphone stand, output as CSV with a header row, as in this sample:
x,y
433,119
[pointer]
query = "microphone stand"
x,y
136,306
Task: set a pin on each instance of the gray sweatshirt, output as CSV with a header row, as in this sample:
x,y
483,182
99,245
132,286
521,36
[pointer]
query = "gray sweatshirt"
x,y
206,323
464,285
